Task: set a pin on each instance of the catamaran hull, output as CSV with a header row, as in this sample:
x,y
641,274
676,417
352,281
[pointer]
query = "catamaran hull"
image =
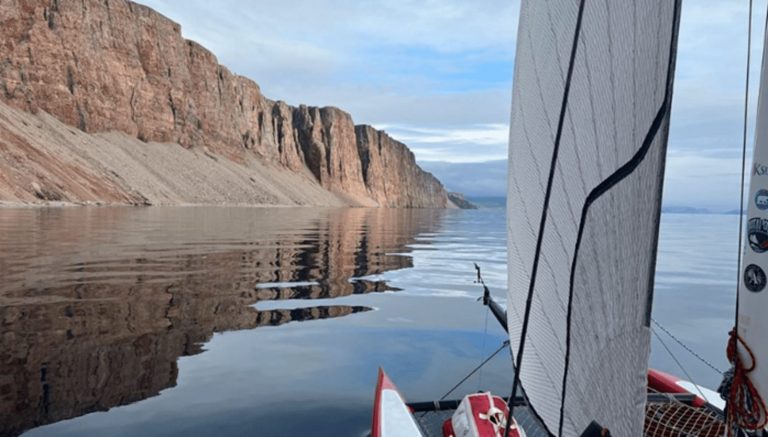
x,y
478,415
391,416
662,382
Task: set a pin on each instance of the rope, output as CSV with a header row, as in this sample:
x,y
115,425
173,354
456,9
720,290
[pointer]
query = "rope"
x,y
684,346
503,345
679,364
745,408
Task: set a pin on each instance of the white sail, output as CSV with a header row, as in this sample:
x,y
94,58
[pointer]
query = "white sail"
x,y
590,113
753,293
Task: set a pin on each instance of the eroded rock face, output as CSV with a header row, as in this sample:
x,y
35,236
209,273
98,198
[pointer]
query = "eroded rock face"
x,y
115,65
388,165
460,201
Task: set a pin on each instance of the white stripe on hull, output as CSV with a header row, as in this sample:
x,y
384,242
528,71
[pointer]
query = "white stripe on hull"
x,y
396,419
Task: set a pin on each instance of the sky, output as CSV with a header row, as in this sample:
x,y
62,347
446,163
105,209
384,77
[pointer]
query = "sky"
x,y
437,75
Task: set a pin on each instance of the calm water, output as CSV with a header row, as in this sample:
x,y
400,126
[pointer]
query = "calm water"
x,y
239,321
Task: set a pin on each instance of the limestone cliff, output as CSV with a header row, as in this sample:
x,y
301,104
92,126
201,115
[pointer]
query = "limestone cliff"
x,y
114,65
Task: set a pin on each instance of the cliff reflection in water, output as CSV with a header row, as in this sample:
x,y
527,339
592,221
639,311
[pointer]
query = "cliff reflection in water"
x,y
97,305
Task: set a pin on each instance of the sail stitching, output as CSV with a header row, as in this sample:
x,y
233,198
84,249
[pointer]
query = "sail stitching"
x,y
538,171
598,146
570,119
536,163
620,174
540,88
537,167
576,156
544,213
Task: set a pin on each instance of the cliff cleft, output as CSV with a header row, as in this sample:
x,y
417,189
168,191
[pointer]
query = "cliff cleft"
x,y
114,66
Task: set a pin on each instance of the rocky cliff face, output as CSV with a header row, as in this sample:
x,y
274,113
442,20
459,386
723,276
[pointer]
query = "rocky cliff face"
x,y
388,165
460,201
114,65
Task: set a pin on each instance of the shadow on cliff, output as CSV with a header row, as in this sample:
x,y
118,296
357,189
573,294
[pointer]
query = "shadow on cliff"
x,y
97,305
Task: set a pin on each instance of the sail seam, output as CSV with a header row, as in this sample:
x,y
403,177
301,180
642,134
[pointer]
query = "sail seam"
x,y
620,174
544,213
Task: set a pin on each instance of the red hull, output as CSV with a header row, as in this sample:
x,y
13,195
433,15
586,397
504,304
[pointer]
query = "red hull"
x,y
666,383
391,416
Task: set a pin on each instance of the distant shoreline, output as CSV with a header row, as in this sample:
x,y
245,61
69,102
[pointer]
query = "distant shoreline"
x,y
499,201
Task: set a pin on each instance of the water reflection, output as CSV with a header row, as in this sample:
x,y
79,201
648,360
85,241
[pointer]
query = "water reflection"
x,y
97,305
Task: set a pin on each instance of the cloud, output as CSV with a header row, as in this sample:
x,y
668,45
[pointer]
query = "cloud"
x,y
386,62
444,25
691,179
471,143
704,152
702,181
438,73
490,134
707,109
482,179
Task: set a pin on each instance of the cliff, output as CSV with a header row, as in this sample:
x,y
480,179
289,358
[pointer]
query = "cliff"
x,y
116,66
460,201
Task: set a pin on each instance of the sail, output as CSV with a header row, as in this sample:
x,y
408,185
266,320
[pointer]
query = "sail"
x,y
753,293
589,126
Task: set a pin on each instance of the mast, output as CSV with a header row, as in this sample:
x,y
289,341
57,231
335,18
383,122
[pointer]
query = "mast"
x,y
590,116
752,300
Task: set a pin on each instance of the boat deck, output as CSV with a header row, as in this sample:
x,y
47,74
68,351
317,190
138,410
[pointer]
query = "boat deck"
x,y
432,422
666,416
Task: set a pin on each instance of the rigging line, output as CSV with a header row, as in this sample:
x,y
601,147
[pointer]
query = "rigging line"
x,y
733,344
504,344
543,222
736,358
743,166
684,346
679,364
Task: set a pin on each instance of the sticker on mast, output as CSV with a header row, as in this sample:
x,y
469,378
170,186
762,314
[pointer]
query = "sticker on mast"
x,y
761,199
757,234
759,169
754,278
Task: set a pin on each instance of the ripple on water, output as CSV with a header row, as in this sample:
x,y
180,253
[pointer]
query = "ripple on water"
x,y
179,320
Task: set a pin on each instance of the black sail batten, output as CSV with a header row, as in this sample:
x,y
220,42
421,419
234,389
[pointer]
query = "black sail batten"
x,y
610,182
518,358
580,252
